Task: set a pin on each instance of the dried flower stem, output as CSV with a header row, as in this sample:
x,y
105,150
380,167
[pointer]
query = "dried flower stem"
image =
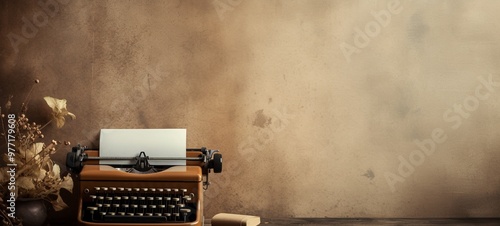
x,y
27,99
3,127
46,124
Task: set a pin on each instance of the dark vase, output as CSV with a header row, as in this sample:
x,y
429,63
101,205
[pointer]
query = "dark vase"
x,y
32,212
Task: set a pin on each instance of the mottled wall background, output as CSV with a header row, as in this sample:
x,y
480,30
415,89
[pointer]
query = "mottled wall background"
x,y
321,108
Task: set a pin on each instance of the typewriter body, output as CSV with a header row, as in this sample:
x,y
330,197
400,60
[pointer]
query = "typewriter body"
x,y
142,194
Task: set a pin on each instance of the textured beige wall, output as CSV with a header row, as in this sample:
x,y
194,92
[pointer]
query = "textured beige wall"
x,y
318,106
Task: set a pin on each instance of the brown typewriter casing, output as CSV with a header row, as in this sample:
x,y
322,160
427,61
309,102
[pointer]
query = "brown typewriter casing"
x,y
95,175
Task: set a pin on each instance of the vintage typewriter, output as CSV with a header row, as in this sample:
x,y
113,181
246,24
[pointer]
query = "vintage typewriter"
x,y
142,194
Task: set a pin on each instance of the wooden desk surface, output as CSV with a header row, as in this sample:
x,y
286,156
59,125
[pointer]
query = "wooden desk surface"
x,y
377,221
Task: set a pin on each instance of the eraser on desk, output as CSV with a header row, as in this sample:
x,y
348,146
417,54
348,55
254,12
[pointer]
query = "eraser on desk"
x,y
228,219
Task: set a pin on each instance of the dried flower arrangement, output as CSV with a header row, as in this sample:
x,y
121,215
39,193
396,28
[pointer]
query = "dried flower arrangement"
x,y
36,174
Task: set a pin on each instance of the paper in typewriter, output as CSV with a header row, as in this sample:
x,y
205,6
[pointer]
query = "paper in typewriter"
x,y
154,142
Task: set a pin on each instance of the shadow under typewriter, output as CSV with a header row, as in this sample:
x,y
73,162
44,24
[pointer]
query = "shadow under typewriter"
x,y
142,194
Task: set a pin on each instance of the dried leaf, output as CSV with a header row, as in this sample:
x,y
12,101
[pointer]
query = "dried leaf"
x,y
32,152
41,174
67,183
58,204
56,171
25,183
59,110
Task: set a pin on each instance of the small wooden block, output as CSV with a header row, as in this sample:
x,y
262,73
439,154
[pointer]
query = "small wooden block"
x,y
228,219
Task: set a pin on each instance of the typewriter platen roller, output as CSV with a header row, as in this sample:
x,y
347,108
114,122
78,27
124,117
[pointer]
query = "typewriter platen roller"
x,y
142,194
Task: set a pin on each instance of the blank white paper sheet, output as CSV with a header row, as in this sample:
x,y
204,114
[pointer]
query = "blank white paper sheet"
x,y
154,142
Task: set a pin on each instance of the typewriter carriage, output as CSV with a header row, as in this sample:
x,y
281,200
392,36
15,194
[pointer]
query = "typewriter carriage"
x,y
205,158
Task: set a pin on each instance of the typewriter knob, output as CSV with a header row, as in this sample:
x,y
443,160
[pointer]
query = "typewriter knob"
x,y
217,163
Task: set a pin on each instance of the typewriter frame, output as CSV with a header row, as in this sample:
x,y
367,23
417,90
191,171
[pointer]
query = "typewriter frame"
x,y
199,161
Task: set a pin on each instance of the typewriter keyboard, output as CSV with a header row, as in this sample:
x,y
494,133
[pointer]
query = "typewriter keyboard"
x,y
139,205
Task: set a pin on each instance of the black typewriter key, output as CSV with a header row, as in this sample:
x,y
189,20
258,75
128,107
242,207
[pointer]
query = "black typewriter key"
x,y
153,190
92,210
104,189
124,207
121,189
143,208
149,214
168,190
116,207
185,213
160,190
142,200
121,213
176,216
100,199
